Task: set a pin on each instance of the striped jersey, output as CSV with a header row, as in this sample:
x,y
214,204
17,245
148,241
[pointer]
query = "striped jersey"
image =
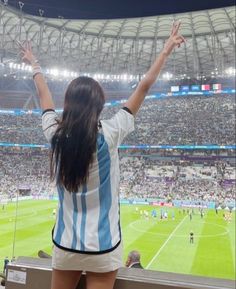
x,y
88,221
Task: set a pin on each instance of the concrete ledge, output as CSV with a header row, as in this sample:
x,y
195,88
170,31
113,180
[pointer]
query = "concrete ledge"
x,y
37,274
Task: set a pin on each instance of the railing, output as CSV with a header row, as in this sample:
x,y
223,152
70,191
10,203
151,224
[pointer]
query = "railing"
x,y
34,273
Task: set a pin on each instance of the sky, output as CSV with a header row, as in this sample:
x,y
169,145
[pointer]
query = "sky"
x,y
110,9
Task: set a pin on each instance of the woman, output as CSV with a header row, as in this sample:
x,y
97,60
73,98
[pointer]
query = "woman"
x,y
85,165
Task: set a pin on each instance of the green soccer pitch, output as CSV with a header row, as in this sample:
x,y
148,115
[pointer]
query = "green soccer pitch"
x,y
164,245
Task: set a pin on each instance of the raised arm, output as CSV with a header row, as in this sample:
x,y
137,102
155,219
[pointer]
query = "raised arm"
x,y
137,98
44,93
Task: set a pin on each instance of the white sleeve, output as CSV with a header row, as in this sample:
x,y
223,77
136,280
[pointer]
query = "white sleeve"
x,y
118,127
49,124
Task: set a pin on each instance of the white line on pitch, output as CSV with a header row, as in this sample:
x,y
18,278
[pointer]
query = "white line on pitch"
x,y
167,240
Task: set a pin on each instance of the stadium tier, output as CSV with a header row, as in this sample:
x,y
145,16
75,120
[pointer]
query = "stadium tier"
x,y
190,120
201,178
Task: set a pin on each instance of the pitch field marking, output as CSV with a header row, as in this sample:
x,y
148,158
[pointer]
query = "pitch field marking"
x,y
167,240
226,231
11,218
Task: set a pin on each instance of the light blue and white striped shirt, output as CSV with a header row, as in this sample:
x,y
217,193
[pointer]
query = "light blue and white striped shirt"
x,y
88,221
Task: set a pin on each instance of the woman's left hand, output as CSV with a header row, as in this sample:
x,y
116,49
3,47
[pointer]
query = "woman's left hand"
x,y
26,53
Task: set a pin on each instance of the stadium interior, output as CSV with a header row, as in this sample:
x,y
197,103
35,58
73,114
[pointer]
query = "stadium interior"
x,y
180,159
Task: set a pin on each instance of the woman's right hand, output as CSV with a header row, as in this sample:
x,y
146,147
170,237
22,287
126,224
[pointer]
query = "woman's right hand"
x,y
174,40
136,99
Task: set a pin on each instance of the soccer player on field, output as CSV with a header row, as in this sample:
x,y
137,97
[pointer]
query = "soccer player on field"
x,y
154,213
191,237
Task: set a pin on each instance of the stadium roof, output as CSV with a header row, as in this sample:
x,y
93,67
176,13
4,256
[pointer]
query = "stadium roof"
x,y
107,9
123,45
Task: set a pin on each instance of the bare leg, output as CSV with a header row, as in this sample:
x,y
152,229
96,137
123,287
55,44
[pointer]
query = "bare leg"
x,y
62,279
100,280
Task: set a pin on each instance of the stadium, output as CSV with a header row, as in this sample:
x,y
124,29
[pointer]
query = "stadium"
x,y
177,168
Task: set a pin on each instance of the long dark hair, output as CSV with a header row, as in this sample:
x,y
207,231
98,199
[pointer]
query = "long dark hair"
x,y
75,140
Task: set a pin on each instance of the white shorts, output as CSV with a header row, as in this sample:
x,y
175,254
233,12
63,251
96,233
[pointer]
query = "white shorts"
x,y
101,263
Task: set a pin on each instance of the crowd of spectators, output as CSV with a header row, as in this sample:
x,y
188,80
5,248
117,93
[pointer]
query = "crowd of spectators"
x,y
177,179
173,121
194,120
24,170
142,177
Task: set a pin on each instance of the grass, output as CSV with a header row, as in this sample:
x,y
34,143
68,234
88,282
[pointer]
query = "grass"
x,y
164,245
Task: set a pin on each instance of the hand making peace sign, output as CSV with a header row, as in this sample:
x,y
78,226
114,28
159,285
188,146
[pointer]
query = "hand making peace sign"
x,y
174,40
26,52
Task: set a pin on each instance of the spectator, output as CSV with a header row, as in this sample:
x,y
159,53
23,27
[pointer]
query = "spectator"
x,y
44,255
133,260
84,161
6,262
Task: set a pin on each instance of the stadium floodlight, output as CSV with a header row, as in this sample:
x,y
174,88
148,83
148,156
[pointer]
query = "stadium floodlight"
x,y
66,73
167,76
124,77
54,72
230,71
